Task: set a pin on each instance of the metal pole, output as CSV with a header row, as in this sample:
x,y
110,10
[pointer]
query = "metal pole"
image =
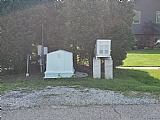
x,y
42,52
42,33
40,62
0,35
27,74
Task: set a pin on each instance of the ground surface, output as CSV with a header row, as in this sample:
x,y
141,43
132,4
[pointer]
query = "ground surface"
x,y
77,103
71,96
105,112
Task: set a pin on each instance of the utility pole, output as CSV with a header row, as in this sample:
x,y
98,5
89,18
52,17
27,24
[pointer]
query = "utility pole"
x,y
42,51
42,35
0,35
0,46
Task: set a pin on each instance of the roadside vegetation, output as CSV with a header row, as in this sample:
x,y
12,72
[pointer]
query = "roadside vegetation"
x,y
67,25
143,58
124,81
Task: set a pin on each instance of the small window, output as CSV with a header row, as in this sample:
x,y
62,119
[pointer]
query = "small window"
x,y
137,17
157,16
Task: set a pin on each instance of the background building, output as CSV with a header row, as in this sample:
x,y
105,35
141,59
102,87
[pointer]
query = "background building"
x,y
146,22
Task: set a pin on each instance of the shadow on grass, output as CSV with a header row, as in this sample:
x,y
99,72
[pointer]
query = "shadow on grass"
x,y
145,82
139,75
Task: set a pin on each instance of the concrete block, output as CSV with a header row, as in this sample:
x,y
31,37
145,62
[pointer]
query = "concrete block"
x,y
108,67
96,68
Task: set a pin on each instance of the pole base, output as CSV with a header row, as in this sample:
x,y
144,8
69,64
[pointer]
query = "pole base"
x,y
27,74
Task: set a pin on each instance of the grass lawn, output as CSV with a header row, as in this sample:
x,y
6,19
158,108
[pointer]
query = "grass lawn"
x,y
143,58
124,81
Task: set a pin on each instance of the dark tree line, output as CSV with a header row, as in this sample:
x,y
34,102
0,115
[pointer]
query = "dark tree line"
x,y
8,6
68,25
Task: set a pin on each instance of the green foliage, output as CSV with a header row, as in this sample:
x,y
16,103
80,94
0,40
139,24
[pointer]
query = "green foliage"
x,y
68,25
9,6
122,40
87,21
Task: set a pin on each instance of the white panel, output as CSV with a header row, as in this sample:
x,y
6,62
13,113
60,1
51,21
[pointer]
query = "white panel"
x,y
45,50
103,48
42,50
39,47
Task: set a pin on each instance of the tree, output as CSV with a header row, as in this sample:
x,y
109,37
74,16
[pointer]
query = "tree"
x,y
70,25
100,19
20,31
121,17
9,6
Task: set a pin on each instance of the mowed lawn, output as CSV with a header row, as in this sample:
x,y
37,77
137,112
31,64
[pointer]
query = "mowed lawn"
x,y
124,81
142,58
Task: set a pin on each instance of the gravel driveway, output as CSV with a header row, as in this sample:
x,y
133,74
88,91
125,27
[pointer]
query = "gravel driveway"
x,y
77,103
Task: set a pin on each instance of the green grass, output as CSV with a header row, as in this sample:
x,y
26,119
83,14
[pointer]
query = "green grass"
x,y
143,58
124,81
153,73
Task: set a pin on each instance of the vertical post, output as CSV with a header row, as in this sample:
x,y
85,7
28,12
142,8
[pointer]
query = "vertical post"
x,y
42,33
108,67
27,73
42,52
96,68
0,46
40,62
0,35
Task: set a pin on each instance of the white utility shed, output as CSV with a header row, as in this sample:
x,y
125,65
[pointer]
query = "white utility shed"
x,y
59,64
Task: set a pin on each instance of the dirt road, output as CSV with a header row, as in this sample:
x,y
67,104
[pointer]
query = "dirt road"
x,y
105,112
